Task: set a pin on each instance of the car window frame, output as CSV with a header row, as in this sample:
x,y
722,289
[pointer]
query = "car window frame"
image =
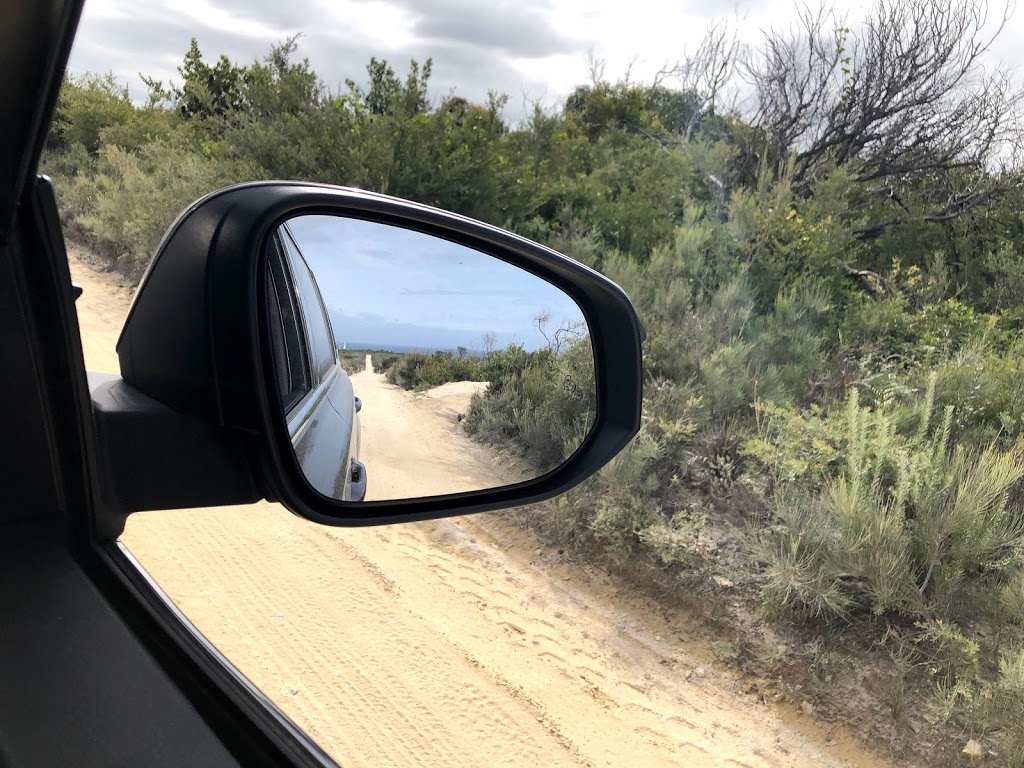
x,y
300,412
277,257
254,730
251,726
297,262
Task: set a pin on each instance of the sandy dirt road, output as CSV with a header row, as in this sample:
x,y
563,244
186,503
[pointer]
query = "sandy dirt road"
x,y
455,643
413,444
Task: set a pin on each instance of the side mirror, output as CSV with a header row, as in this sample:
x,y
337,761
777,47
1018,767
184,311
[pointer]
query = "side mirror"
x,y
373,360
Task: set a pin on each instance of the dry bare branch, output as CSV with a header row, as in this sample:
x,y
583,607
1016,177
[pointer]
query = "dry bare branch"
x,y
707,72
903,93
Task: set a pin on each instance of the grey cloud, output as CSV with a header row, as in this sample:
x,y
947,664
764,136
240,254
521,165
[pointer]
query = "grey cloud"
x,y
155,47
471,46
469,68
163,33
717,9
510,28
463,69
289,14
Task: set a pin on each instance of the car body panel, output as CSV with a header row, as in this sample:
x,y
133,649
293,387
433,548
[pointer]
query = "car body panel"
x,y
328,410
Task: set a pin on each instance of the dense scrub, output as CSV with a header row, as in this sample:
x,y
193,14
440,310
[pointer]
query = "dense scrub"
x,y
418,370
352,361
834,328
541,403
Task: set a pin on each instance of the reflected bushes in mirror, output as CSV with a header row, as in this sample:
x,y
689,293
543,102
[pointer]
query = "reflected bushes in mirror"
x,y
541,403
422,371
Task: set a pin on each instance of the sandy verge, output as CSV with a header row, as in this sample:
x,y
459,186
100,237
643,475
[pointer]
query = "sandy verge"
x,y
454,643
413,443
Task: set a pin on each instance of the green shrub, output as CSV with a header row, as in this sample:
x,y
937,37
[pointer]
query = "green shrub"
x,y
978,700
676,414
621,522
795,446
352,362
1011,600
893,329
674,541
624,515
89,105
542,403
381,363
985,385
1007,701
135,197
67,162
908,526
422,371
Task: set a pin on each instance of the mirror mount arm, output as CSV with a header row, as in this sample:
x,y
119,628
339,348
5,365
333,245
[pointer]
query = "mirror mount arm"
x,y
152,457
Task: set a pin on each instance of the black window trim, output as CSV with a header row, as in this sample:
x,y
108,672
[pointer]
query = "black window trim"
x,y
299,412
255,733
297,394
295,252
253,729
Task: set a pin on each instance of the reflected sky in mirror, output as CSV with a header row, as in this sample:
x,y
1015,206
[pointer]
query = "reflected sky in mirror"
x,y
395,289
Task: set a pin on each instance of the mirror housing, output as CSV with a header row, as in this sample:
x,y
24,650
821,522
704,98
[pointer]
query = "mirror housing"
x,y
194,343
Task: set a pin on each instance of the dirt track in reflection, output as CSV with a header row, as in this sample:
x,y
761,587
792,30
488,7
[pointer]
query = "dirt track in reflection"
x,y
413,443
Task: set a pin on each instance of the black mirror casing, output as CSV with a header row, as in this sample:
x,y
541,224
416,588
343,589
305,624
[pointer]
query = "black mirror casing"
x,y
195,341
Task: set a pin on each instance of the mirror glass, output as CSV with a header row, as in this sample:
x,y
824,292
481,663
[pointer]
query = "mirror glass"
x,y
410,366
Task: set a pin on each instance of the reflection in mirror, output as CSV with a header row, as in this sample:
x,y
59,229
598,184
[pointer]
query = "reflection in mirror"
x,y
410,366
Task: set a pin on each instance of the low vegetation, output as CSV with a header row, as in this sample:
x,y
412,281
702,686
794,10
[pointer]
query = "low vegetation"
x,y
418,370
540,403
831,279
353,361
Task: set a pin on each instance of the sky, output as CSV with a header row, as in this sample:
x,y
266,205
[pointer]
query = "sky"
x,y
531,50
391,288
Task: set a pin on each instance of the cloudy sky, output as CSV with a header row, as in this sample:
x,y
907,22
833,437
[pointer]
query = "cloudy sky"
x,y
532,50
391,288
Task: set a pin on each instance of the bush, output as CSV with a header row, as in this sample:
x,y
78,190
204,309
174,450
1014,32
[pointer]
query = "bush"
x,y
135,197
910,525
981,701
986,388
352,362
381,363
543,403
421,371
88,106
893,329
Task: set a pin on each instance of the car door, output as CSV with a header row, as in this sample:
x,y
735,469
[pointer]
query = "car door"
x,y
317,393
